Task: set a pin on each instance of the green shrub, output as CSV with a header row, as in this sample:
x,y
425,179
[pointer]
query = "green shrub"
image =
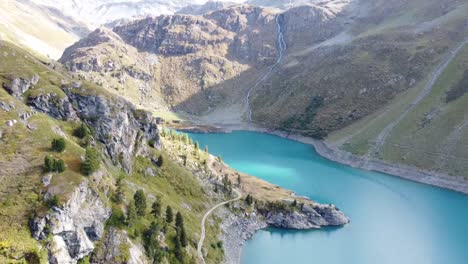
x,y
82,131
117,218
49,163
54,201
60,165
58,144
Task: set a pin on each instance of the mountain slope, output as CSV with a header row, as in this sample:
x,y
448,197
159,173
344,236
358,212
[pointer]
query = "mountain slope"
x,y
340,64
88,177
43,30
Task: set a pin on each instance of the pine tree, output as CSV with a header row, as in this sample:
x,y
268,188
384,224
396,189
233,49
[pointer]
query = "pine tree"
x,y
206,148
178,251
179,220
131,214
151,242
140,202
249,199
156,209
119,192
169,215
160,161
183,237
91,163
238,180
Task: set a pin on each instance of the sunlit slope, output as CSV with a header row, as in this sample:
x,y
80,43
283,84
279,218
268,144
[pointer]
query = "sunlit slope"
x,y
41,30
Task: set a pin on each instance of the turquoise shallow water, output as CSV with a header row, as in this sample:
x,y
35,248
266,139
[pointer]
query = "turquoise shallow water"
x,y
393,220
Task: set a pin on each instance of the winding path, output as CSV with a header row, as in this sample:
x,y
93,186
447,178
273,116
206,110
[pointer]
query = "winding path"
x,y
202,235
380,140
281,48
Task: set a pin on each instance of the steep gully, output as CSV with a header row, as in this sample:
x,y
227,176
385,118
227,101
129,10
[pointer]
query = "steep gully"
x,y
381,138
281,49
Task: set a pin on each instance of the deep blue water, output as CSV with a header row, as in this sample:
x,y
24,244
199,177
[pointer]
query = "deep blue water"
x,y
393,220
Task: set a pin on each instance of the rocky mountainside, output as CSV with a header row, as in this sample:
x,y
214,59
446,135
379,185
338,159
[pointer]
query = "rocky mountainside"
x,y
88,177
313,69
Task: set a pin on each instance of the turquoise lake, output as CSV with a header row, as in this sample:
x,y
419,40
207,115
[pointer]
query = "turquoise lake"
x,y
393,220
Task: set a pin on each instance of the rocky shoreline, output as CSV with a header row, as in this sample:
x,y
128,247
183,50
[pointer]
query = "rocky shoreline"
x,y
325,150
240,228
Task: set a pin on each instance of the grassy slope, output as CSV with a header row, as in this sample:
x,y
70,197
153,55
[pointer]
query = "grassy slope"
x,y
433,143
23,152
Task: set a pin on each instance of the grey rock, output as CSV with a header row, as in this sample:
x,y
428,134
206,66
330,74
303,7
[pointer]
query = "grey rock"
x,y
47,179
110,250
310,216
149,172
6,107
74,227
51,104
124,130
19,86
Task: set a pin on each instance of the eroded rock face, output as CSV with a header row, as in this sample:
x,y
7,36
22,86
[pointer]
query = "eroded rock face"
x,y
74,227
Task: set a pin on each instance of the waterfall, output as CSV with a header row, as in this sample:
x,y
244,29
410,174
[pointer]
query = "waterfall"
x,y
281,46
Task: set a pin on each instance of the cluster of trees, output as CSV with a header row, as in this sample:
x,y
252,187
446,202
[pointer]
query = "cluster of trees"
x,y
52,164
182,137
138,209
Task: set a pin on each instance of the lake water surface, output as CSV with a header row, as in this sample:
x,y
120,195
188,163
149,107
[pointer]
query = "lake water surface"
x,y
393,220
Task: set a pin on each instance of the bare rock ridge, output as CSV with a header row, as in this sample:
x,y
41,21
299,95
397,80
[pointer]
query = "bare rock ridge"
x,y
170,51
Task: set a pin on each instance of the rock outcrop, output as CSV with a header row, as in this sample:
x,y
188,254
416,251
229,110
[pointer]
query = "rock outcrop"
x,y
240,228
122,129
117,248
52,105
74,227
309,216
18,86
